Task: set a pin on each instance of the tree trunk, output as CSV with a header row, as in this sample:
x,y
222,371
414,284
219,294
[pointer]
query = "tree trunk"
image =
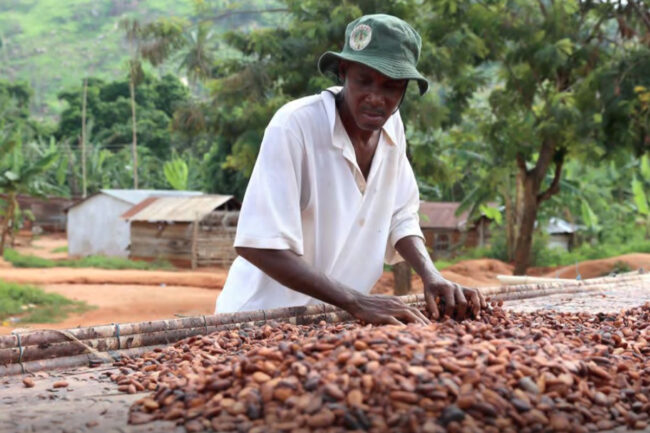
x,y
510,223
72,178
84,188
526,226
519,206
529,197
134,148
6,223
402,275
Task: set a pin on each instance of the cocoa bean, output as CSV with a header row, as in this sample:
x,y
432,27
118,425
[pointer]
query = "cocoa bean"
x,y
324,418
503,372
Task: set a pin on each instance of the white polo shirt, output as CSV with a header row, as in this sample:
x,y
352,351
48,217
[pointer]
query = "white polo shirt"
x,y
308,195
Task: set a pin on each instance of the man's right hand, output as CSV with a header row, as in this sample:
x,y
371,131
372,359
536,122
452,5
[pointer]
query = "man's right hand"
x,y
384,310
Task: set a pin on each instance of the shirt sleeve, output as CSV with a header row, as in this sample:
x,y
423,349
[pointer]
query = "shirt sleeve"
x,y
405,220
270,214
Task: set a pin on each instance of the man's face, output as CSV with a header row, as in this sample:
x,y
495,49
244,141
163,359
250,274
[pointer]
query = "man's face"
x,y
370,97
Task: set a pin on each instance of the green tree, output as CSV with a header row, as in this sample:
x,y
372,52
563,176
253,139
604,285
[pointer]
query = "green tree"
x,y
109,113
544,107
19,175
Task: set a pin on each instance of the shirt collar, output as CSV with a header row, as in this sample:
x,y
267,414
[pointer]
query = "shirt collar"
x,y
330,108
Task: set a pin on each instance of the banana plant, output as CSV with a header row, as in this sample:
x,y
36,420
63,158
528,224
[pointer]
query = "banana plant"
x,y
20,175
176,173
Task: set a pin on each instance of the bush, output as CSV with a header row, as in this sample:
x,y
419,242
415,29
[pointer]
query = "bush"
x,y
32,304
586,251
28,261
543,256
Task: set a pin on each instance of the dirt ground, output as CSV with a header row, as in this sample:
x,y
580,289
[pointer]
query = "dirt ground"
x,y
483,272
132,295
127,303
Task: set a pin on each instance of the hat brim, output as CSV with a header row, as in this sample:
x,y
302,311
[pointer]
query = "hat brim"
x,y
328,63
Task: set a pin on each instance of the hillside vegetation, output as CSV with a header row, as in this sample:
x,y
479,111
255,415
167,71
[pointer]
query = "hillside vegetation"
x,y
53,44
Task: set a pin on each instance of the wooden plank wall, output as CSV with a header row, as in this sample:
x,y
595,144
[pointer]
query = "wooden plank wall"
x,y
161,240
173,241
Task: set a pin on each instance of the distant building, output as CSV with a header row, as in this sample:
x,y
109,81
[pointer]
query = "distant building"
x,y
187,231
444,231
49,212
94,226
561,233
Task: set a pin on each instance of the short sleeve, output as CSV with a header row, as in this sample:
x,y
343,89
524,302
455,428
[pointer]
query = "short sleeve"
x,y
270,214
405,220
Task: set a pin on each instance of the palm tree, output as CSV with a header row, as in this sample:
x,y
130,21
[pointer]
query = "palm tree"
x,y
133,31
197,58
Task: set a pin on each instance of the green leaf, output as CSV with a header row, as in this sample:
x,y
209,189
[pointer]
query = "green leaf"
x,y
176,173
11,176
565,45
61,173
640,199
39,167
492,213
589,218
645,167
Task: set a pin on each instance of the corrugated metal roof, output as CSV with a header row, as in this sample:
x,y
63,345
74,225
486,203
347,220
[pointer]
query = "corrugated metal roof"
x,y
133,196
177,209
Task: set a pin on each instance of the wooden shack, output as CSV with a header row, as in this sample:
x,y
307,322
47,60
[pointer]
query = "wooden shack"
x,y
187,231
49,213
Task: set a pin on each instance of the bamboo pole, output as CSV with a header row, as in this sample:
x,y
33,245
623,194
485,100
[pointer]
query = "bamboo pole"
x,y
78,360
525,279
67,362
44,337
166,332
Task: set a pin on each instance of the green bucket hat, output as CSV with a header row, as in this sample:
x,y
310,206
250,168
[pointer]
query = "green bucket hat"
x,y
382,42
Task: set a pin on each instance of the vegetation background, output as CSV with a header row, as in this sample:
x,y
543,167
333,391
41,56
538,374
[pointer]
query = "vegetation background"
x,y
540,107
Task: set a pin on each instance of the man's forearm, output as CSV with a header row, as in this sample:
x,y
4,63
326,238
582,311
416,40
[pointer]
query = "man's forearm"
x,y
414,251
287,268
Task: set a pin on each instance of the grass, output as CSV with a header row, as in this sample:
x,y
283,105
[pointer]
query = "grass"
x,y
28,261
558,257
63,249
31,304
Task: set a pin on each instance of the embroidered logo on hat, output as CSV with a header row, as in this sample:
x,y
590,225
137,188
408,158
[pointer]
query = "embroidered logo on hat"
x,y
360,37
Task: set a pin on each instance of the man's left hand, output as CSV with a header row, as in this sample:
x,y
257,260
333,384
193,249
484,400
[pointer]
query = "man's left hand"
x,y
456,299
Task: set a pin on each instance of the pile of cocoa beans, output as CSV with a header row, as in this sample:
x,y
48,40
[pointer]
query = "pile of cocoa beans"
x,y
506,372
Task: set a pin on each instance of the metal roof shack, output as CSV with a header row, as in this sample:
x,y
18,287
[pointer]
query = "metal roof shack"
x,y
94,224
195,231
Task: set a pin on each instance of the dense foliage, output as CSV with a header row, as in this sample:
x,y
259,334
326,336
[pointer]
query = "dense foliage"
x,y
538,108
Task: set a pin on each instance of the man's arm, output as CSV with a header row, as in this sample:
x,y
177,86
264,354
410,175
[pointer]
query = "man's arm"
x,y
287,268
414,251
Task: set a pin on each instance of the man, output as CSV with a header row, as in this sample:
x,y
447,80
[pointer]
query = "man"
x,y
332,195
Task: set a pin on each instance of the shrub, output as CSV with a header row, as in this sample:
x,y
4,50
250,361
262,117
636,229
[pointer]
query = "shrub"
x,y
32,304
29,261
